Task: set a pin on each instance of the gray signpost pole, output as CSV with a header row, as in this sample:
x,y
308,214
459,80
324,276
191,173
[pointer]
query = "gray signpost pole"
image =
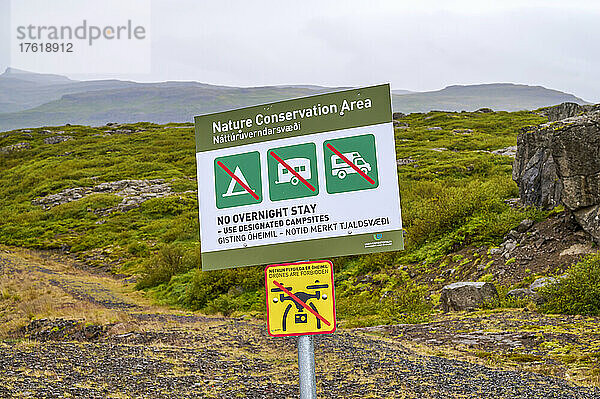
x,y
306,367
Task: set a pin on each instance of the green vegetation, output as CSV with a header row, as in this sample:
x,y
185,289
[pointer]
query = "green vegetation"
x,y
453,190
577,292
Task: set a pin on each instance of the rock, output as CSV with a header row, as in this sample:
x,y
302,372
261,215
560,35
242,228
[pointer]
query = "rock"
x,y
440,149
405,161
542,282
578,249
434,128
463,131
534,171
398,115
567,110
62,330
589,219
467,295
513,235
400,124
520,293
525,225
496,251
559,162
514,203
485,110
56,139
510,246
15,147
507,152
133,192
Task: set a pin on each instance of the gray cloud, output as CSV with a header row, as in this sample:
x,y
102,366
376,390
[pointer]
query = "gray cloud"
x,y
414,45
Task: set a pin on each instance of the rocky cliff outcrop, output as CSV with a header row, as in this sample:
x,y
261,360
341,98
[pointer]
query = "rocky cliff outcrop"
x,y
567,110
559,163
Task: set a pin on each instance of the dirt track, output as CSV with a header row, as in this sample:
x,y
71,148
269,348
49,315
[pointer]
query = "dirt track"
x,y
175,355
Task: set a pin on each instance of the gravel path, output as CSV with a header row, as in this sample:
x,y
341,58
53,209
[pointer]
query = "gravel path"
x,y
173,355
226,359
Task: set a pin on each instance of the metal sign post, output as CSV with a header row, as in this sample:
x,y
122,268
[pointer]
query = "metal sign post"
x,y
306,367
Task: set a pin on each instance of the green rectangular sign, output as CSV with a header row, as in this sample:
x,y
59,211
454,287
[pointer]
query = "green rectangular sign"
x,y
306,178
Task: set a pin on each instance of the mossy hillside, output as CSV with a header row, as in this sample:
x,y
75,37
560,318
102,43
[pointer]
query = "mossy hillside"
x,y
92,157
452,196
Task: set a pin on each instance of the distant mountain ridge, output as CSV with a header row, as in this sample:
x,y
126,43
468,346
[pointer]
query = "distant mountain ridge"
x,y
498,96
32,100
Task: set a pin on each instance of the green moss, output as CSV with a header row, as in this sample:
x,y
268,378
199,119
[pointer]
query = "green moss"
x,y
452,199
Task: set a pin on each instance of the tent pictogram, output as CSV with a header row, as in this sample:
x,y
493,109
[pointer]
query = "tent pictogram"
x,y
238,180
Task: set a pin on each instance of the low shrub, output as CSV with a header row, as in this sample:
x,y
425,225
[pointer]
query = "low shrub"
x,y
577,292
398,300
164,264
206,287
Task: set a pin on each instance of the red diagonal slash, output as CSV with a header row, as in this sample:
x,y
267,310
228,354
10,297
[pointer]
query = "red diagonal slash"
x,y
295,298
237,179
288,167
343,158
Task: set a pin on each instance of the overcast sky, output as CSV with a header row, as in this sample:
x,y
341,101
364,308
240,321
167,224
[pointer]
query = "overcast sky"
x,y
415,45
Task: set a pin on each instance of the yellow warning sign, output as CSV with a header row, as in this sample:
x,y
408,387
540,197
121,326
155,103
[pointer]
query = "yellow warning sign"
x,y
300,298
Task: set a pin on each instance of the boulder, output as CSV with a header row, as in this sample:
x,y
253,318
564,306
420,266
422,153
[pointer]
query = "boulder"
x,y
589,219
467,295
541,282
56,139
405,161
525,225
559,163
507,152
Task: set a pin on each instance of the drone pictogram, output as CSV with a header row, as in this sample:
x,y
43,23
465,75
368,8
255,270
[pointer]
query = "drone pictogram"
x,y
301,300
